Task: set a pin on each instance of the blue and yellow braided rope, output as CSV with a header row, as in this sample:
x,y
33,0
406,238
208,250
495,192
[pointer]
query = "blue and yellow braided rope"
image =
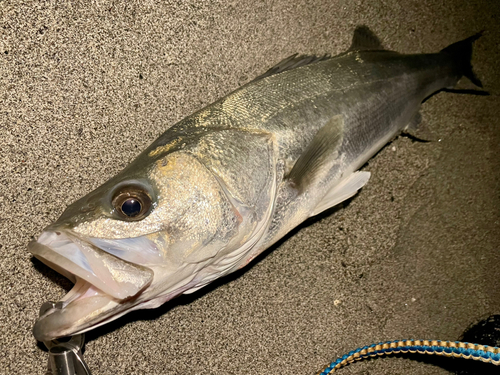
x,y
457,349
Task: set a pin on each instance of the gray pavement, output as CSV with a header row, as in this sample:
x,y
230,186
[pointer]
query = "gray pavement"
x,y
85,86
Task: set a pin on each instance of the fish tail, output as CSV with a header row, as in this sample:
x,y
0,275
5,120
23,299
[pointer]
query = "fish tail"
x,y
461,53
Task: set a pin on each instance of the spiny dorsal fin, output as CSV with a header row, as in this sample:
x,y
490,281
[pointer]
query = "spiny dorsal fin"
x,y
365,40
292,62
320,151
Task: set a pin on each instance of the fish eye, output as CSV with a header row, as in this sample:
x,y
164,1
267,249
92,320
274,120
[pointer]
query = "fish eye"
x,y
132,203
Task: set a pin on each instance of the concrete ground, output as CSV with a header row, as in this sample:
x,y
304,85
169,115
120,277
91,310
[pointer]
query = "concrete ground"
x,y
85,86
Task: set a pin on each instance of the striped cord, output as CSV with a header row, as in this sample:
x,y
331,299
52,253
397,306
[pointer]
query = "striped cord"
x,y
457,349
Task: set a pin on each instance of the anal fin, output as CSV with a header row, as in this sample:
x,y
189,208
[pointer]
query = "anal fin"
x,y
417,130
347,188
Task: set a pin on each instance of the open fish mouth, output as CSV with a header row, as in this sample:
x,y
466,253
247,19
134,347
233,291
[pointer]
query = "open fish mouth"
x,y
105,285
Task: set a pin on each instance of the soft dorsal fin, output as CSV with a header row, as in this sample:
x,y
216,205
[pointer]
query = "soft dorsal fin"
x,y
320,151
365,40
292,62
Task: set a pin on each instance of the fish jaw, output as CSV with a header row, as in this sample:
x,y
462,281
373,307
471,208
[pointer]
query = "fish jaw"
x,y
77,258
83,308
106,287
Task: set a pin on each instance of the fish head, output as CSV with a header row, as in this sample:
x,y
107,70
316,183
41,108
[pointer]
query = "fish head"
x,y
143,237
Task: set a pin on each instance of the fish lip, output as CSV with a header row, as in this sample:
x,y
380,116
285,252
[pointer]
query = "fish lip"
x,y
75,317
105,285
75,257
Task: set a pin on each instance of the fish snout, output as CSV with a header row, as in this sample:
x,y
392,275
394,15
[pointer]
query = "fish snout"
x,y
78,259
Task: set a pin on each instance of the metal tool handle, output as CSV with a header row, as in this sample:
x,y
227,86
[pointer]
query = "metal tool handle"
x,y
65,358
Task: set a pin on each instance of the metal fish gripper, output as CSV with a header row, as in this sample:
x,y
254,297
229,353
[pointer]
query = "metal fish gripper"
x,y
65,357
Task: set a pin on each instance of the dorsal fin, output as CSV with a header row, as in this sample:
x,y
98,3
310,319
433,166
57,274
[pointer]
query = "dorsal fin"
x,y
292,62
365,40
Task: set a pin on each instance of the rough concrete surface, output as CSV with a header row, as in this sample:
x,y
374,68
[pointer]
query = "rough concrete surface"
x,y
85,86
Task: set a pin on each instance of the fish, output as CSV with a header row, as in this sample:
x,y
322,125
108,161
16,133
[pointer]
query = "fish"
x,y
227,182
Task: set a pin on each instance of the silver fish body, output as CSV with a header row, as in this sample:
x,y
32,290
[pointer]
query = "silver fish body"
x,y
225,183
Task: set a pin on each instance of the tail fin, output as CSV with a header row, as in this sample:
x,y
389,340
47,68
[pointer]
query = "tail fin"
x,y
462,54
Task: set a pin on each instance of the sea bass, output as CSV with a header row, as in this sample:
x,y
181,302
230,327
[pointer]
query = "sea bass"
x,y
227,182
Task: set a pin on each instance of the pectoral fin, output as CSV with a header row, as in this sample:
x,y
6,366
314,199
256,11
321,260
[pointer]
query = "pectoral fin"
x,y
344,190
318,155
